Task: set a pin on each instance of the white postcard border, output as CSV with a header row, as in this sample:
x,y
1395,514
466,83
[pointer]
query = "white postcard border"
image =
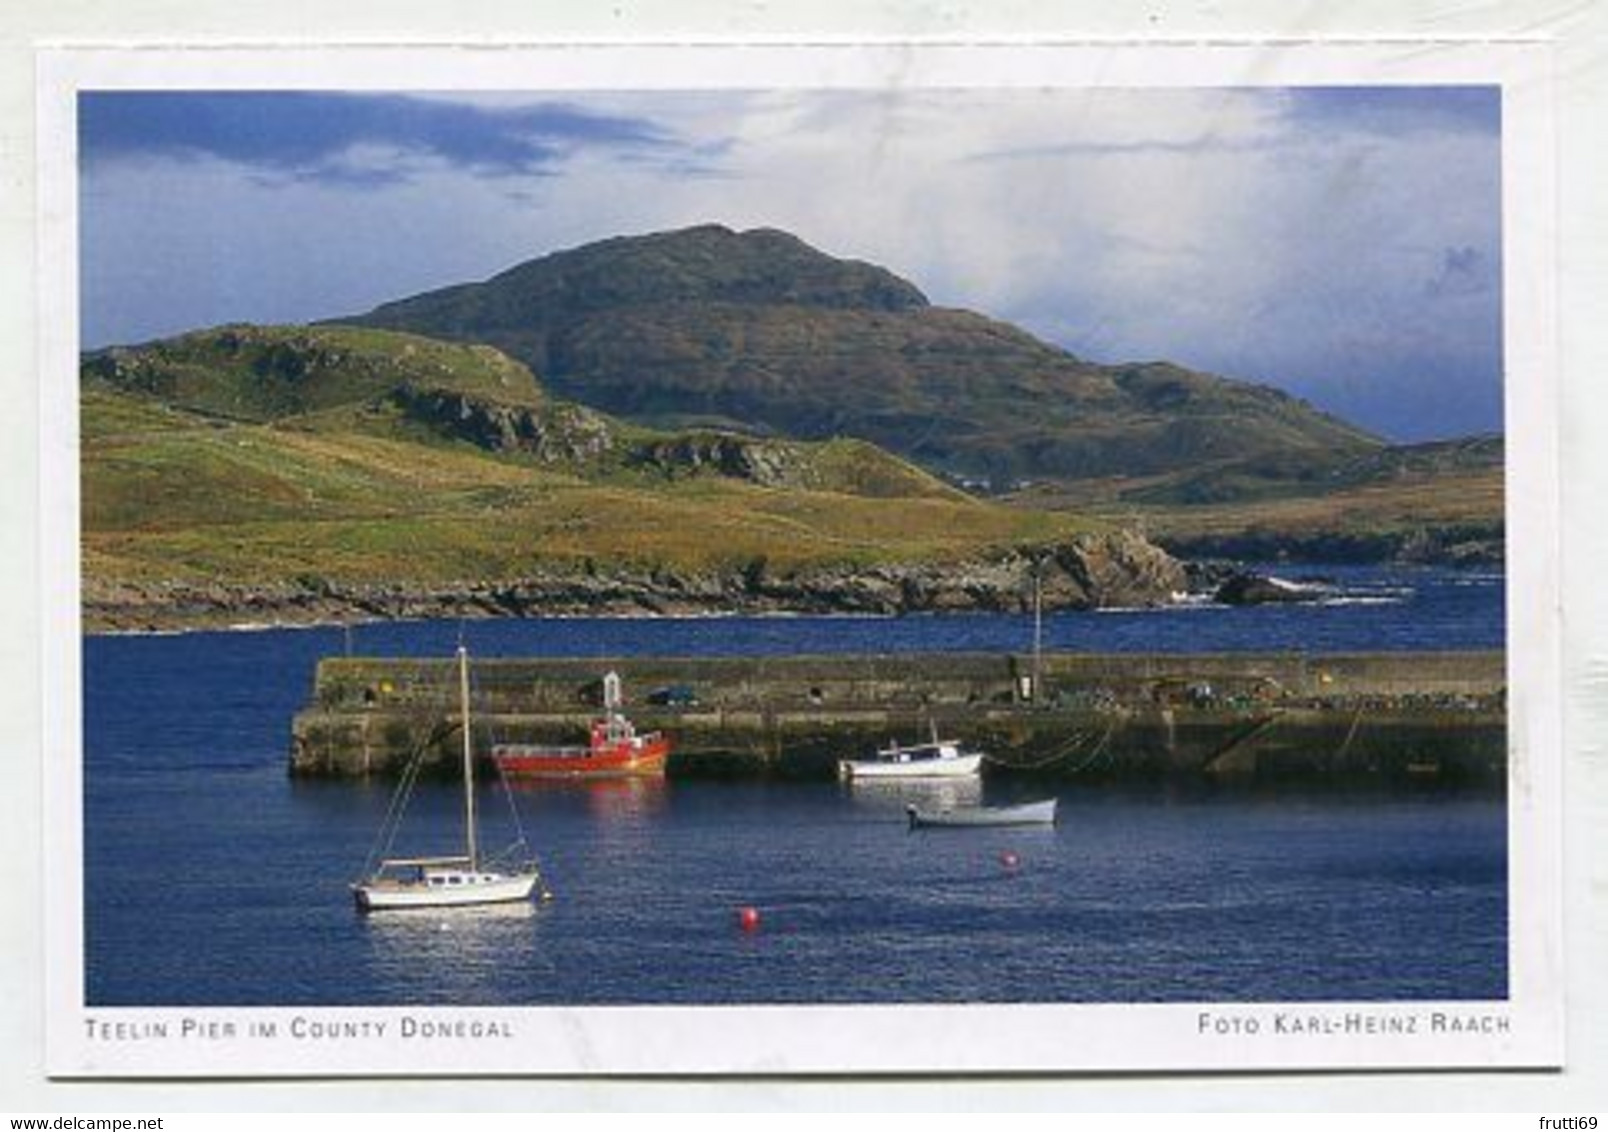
x,y
1525,1031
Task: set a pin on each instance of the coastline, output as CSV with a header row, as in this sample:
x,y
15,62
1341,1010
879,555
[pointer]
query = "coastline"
x,y
1115,574
1089,572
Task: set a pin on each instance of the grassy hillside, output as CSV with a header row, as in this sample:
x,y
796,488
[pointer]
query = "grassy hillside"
x,y
1441,501
252,455
254,373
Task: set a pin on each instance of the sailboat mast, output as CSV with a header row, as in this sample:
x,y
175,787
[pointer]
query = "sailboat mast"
x,y
1038,628
468,762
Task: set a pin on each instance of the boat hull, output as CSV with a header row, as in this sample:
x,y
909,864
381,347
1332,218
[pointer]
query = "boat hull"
x,y
1033,813
376,896
535,762
960,766
616,750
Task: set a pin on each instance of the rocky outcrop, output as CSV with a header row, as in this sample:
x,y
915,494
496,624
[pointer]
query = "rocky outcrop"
x,y
564,434
1255,589
557,433
1119,569
767,463
1090,572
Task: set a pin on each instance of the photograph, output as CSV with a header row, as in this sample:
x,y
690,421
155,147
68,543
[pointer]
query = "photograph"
x,y
721,548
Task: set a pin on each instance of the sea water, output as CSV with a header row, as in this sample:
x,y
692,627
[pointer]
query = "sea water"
x,y
213,878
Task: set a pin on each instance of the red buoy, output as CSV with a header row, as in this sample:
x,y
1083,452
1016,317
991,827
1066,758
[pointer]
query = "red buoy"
x,y
748,918
1009,859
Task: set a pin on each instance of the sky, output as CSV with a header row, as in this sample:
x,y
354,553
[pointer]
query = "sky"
x,y
1343,244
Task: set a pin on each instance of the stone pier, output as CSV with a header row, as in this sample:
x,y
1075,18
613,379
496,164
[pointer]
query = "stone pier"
x,y
1411,716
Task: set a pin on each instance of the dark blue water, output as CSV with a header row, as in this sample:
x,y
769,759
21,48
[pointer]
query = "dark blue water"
x,y
212,878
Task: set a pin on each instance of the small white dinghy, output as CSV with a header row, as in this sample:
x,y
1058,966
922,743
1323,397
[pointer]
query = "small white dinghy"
x,y
1029,813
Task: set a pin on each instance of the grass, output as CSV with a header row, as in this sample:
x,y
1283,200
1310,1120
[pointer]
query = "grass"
x,y
175,496
270,455
267,373
1471,498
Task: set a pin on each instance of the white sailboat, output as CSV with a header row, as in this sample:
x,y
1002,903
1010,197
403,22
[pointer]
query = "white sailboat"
x,y
449,881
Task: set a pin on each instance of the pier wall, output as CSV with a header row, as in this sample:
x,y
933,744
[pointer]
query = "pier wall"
x,y
1439,715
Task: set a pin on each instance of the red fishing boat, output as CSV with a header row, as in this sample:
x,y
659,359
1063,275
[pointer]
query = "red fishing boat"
x,y
615,749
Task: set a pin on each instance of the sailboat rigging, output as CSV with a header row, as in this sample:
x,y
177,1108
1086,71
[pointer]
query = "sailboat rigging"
x,y
454,880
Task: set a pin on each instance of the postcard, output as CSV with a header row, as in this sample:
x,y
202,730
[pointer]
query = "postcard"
x,y
794,559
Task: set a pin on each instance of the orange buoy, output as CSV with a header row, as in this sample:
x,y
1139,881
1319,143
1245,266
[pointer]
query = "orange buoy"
x,y
1009,859
748,918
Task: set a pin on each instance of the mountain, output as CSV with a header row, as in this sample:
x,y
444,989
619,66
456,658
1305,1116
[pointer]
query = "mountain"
x,y
759,331
253,473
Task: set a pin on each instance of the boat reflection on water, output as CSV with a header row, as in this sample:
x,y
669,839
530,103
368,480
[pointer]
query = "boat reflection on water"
x,y
889,797
470,917
628,798
455,955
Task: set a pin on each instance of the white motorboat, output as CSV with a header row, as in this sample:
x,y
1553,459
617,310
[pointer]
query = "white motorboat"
x,y
937,759
1028,813
447,881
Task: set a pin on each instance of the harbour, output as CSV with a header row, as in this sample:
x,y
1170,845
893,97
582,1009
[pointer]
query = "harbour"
x,y
1158,881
